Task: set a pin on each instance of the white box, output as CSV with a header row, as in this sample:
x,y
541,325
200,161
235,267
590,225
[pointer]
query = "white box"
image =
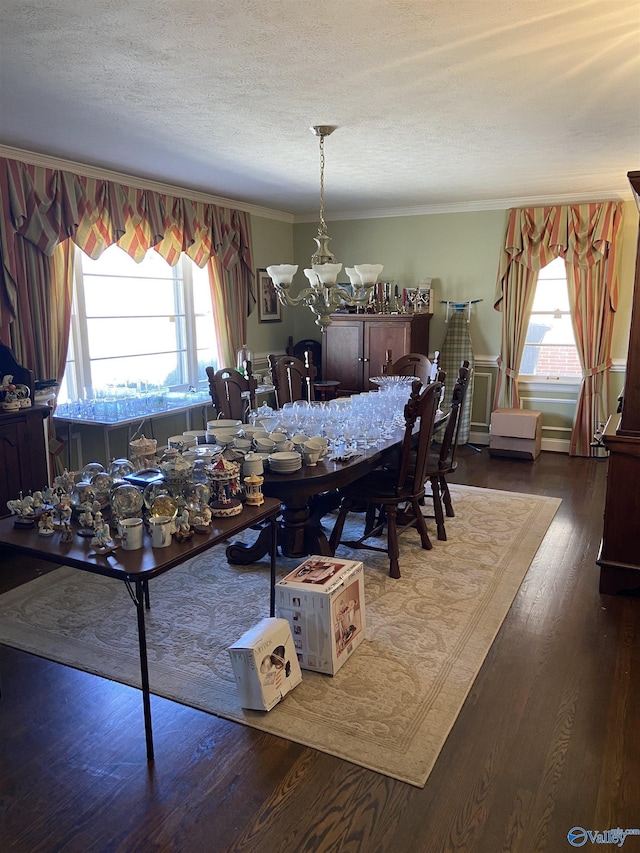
x,y
515,432
323,602
265,664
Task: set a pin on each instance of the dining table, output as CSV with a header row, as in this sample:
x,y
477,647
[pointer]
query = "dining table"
x,y
308,494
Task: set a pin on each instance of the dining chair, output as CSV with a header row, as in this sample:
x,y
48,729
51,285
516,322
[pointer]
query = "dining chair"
x,y
385,489
411,364
307,345
444,462
292,378
232,394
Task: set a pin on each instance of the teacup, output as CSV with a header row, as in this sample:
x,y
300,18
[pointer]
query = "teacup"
x,y
299,439
265,445
242,444
310,455
200,435
278,437
319,443
226,436
286,445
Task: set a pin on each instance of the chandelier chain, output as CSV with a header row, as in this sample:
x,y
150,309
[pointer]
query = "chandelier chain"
x,y
323,224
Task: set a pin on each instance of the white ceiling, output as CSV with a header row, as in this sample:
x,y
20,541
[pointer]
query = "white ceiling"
x,y
440,104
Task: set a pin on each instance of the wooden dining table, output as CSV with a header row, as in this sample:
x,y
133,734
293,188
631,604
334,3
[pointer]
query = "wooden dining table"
x,y
308,494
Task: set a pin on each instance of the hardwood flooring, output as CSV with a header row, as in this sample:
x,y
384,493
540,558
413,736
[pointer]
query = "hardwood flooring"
x,y
548,739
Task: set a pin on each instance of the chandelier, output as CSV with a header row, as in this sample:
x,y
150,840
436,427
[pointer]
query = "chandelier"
x,y
324,295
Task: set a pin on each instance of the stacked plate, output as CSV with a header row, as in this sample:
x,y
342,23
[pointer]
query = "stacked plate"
x,y
285,462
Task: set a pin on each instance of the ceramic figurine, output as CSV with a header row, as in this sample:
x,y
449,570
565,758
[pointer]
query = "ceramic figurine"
x,y
45,525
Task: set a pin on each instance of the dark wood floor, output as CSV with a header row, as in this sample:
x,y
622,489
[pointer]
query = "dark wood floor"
x,y
548,739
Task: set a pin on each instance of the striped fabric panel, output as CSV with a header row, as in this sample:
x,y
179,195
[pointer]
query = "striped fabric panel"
x,y
587,237
46,206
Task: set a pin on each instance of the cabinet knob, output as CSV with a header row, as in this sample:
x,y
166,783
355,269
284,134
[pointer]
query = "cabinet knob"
x,y
365,359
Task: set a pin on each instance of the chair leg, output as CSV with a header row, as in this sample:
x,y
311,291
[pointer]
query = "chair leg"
x,y
336,533
370,521
437,508
446,497
393,547
421,524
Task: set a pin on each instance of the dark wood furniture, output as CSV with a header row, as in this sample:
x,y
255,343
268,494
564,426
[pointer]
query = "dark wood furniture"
x,y
137,568
384,489
355,346
23,446
444,463
411,364
308,494
293,378
619,557
23,453
232,394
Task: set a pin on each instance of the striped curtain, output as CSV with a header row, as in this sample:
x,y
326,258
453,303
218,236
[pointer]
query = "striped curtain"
x,y
592,280
42,209
586,236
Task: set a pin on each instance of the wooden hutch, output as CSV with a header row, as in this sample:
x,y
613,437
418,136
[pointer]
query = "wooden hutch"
x,y
355,346
619,557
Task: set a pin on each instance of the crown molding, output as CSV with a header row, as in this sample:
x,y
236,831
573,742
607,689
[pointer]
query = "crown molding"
x,y
51,162
468,206
44,160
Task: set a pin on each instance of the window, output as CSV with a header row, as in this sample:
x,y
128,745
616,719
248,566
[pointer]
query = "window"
x,y
550,347
138,325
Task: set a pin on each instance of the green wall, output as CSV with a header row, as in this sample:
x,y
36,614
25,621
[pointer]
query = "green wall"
x,y
460,252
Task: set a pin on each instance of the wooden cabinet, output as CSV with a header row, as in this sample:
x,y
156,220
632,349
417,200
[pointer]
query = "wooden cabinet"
x,y
619,557
355,345
23,453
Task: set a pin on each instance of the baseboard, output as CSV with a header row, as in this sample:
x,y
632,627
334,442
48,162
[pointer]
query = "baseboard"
x,y
554,445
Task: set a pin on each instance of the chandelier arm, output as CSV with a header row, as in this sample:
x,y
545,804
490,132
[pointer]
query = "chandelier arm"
x,y
282,292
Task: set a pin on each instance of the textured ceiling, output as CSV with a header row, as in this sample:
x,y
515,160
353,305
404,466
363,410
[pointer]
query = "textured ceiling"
x,y
438,103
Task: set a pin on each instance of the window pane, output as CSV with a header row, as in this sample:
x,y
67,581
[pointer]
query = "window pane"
x,y
131,336
550,348
551,296
131,326
147,369
106,296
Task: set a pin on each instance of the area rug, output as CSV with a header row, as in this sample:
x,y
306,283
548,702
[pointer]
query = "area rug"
x,y
390,707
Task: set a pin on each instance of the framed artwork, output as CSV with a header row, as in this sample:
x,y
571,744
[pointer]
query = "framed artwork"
x,y
269,307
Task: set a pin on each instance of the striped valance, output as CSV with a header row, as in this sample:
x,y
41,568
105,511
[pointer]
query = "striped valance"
x,y
47,206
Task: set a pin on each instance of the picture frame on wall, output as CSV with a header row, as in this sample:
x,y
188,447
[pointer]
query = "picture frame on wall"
x,y
269,307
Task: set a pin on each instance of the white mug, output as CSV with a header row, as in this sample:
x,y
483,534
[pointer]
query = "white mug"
x,y
161,527
130,530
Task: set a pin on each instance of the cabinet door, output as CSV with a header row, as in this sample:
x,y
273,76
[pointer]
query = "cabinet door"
x,y
342,354
23,461
379,337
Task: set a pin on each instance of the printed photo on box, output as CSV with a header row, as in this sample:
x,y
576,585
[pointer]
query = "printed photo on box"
x,y
315,570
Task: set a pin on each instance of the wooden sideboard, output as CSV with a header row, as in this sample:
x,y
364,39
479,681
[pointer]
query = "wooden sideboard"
x,y
23,453
619,557
355,345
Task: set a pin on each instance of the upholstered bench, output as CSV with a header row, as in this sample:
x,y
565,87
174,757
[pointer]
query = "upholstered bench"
x,y
516,433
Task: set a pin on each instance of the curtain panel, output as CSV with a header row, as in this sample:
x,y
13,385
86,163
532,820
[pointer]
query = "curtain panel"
x,y
42,208
587,236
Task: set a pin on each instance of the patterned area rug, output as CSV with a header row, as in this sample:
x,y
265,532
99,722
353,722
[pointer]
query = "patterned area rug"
x,y
390,707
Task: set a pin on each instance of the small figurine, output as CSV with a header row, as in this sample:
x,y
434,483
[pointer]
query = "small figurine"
x,y
102,538
183,527
45,524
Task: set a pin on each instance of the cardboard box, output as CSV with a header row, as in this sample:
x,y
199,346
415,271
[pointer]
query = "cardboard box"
x,y
265,664
516,433
323,602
